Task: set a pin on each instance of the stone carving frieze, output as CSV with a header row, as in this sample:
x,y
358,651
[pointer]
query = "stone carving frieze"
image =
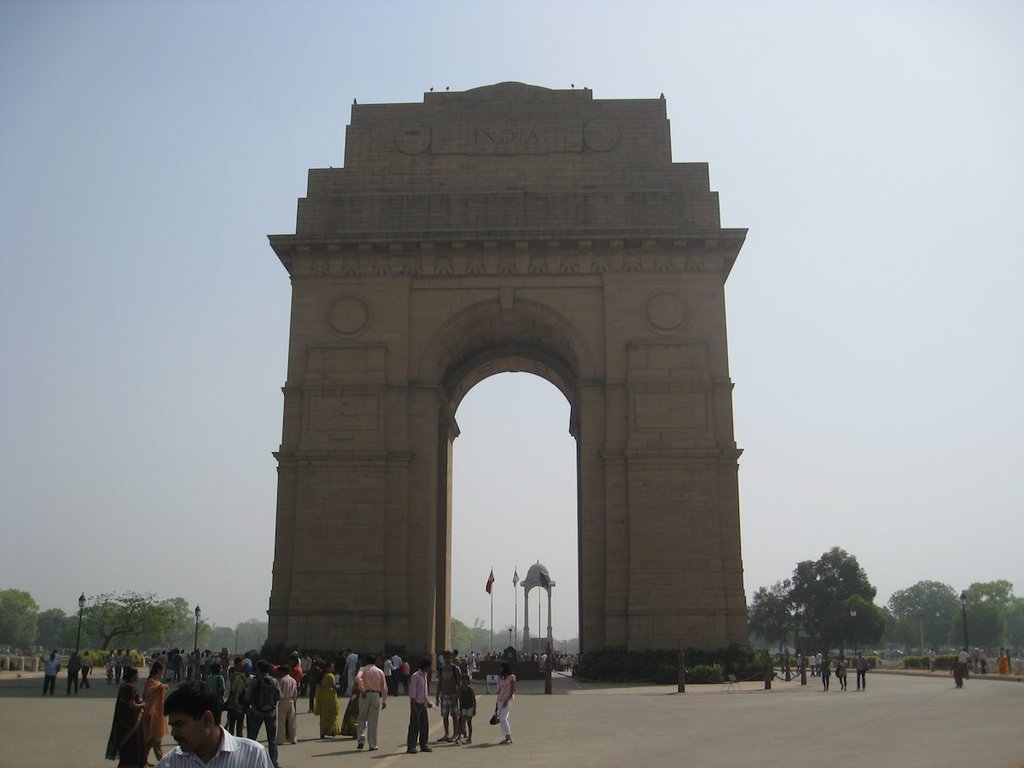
x,y
507,137
459,259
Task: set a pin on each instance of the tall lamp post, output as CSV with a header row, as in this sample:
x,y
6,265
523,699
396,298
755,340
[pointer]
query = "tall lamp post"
x,y
963,615
81,607
853,620
195,644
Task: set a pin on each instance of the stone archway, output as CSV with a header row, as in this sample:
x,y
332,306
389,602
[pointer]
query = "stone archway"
x,y
507,228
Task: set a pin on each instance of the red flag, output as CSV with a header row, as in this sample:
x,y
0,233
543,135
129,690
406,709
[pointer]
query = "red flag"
x,y
490,582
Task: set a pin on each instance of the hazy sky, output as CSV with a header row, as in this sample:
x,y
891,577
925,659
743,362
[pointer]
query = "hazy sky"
x,y
874,150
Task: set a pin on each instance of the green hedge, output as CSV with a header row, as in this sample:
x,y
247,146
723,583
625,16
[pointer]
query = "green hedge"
x,y
945,662
704,673
615,665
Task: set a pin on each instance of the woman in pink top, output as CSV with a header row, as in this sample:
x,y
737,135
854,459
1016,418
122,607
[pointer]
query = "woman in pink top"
x,y
506,694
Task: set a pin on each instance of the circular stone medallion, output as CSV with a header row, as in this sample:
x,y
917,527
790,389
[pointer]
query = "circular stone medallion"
x,y
601,137
665,312
349,315
413,140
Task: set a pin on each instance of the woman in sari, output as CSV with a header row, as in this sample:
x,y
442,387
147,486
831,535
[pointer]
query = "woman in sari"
x,y
326,703
1003,665
350,720
153,724
126,742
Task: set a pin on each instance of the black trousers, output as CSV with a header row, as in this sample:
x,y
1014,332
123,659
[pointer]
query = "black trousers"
x,y
862,679
418,725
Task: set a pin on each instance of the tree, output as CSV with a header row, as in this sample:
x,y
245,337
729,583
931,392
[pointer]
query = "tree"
x,y
130,616
986,625
926,611
178,629
998,593
466,638
989,605
19,615
54,628
1015,623
771,613
252,634
821,593
866,622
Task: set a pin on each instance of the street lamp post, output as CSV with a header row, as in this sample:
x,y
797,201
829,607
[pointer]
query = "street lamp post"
x,y
195,644
963,615
853,617
81,607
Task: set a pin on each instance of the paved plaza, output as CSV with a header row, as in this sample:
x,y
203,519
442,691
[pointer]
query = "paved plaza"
x,y
901,720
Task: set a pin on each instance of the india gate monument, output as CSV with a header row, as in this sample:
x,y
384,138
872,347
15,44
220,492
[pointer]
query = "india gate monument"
x,y
507,228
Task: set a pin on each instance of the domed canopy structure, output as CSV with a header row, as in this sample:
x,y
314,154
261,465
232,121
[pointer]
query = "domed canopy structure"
x,y
537,576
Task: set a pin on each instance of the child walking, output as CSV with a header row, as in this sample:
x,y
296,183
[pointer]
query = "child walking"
x,y
467,709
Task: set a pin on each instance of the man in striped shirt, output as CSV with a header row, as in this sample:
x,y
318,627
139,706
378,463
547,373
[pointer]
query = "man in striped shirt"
x,y
419,703
193,712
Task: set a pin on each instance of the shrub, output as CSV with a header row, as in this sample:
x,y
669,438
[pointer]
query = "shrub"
x,y
704,673
662,666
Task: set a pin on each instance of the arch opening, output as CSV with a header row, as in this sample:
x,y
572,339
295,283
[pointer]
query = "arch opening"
x,y
515,502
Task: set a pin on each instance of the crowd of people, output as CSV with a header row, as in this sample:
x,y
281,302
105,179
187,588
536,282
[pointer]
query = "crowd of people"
x,y
346,693
823,666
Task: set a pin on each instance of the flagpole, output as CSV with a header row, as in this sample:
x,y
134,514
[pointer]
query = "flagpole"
x,y
490,591
515,604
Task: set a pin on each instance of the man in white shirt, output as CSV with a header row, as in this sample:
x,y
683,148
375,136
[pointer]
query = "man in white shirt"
x,y
193,712
389,669
351,665
286,706
396,674
50,673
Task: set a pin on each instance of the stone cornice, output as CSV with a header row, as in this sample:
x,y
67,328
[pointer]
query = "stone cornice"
x,y
504,254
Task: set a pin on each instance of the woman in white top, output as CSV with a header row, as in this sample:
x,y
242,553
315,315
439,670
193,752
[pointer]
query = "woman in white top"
x,y
506,694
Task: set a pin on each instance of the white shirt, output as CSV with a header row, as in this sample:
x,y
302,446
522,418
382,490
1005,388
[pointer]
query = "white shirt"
x,y
233,752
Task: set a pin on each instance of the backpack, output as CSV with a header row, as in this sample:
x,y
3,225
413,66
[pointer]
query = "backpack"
x,y
265,697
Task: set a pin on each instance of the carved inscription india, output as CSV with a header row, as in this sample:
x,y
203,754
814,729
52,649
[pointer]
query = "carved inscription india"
x,y
506,139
